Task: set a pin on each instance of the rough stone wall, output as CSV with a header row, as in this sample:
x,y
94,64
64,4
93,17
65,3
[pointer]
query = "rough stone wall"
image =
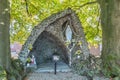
x,y
53,24
80,35
44,47
56,27
38,30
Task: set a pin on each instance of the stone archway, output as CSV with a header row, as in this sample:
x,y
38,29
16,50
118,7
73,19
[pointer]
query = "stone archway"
x,y
44,47
55,26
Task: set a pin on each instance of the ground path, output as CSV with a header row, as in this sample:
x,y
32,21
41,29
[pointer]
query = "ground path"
x,y
58,76
46,72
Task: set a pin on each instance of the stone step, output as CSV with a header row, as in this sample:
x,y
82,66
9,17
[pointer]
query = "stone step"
x,y
58,76
52,70
49,67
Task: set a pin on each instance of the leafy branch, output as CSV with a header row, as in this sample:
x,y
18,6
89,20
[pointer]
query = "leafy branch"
x,y
88,3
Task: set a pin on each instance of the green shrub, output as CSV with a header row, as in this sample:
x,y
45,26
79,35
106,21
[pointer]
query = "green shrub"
x,y
89,67
3,74
110,67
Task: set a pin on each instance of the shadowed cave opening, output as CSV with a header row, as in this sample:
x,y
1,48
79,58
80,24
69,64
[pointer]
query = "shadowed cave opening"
x,y
45,46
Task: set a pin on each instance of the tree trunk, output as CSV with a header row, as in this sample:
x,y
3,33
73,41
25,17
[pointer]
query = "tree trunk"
x,y
4,34
110,21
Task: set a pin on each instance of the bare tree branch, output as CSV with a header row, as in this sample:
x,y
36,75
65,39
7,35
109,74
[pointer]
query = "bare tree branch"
x,y
88,3
27,8
98,24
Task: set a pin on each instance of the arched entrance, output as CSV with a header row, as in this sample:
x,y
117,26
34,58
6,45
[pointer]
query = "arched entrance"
x,y
45,46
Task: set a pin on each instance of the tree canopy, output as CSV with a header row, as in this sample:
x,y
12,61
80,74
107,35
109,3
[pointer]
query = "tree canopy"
x,y
25,14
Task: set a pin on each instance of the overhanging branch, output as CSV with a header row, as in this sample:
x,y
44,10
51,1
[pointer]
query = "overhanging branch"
x,y
88,3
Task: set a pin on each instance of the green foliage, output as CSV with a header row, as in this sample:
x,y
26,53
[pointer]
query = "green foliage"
x,y
17,65
89,67
16,71
30,46
22,20
110,68
3,74
29,60
78,52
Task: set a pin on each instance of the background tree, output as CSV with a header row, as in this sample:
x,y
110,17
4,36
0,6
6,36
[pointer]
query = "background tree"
x,y
110,21
4,34
25,14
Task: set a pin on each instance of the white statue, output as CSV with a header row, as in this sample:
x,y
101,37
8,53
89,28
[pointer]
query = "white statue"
x,y
33,59
68,33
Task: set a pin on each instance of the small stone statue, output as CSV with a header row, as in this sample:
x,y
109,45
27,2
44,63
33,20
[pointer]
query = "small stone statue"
x,y
33,59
